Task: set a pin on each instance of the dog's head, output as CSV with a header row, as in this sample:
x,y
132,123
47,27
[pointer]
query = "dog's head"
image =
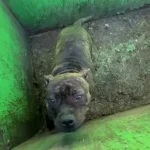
x,y
67,99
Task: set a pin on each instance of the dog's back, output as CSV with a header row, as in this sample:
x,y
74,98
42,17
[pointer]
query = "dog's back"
x,y
73,49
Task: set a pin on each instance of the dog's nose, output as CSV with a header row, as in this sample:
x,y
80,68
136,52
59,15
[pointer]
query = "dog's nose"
x,y
68,121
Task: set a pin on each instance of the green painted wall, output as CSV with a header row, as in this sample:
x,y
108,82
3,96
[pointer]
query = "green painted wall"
x,y
16,101
36,15
123,131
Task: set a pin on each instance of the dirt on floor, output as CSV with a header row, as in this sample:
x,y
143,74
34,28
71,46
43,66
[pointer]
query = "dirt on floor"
x,y
121,61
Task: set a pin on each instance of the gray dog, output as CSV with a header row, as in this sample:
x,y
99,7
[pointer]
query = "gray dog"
x,y
69,84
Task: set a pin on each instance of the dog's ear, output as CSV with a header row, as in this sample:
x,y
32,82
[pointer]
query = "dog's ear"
x,y
85,72
48,78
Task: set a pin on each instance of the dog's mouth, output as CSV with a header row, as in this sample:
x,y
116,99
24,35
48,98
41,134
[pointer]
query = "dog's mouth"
x,y
68,128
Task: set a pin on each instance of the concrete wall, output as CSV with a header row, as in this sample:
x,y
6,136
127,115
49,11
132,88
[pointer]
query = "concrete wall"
x,y
17,111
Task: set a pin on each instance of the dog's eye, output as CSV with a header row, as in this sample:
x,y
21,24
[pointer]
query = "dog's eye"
x,y
52,100
79,97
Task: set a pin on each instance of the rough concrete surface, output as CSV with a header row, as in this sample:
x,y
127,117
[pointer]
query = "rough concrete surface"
x,y
121,61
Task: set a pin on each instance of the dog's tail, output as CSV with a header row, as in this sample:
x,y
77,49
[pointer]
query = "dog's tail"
x,y
81,21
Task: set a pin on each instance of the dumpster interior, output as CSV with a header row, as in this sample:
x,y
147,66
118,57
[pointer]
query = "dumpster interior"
x,y
119,112
124,33
119,46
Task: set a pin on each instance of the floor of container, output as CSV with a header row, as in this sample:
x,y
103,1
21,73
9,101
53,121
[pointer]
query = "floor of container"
x,y
125,31
128,130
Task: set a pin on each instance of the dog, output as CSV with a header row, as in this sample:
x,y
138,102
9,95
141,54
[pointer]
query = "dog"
x,y
68,87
